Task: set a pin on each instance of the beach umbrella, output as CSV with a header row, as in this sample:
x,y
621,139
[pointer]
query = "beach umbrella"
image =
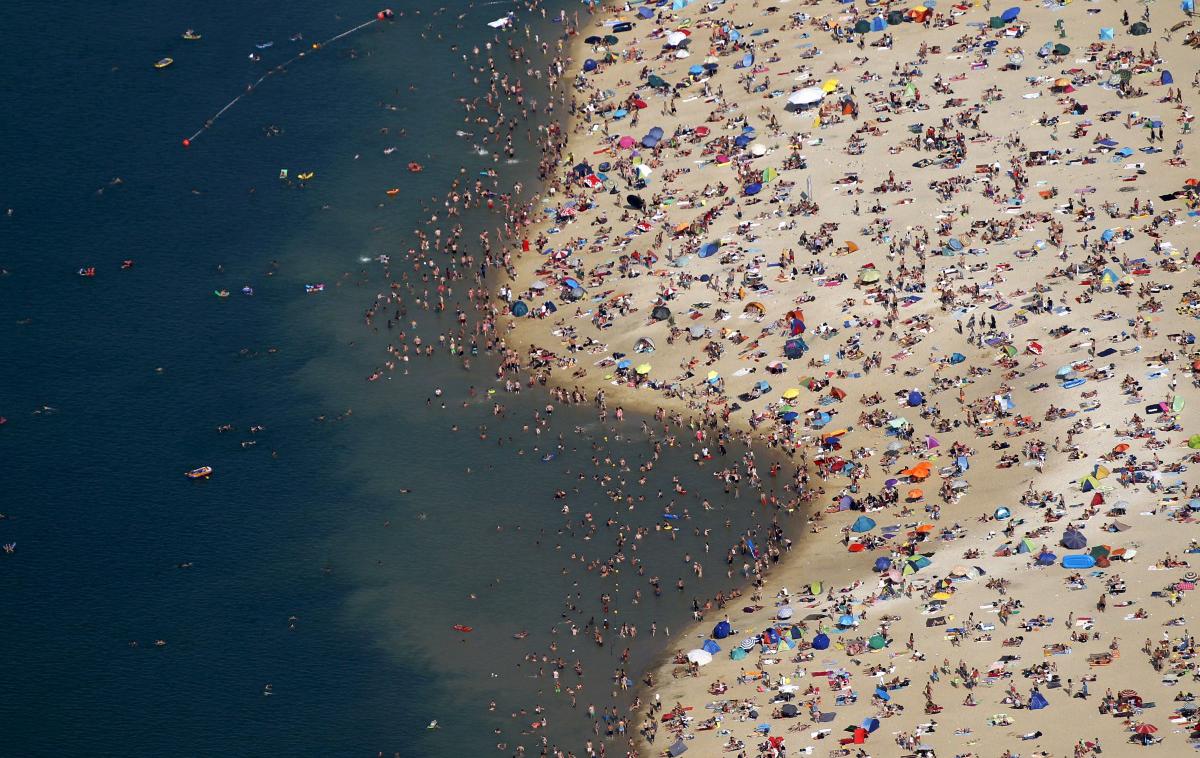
x,y
830,85
722,630
847,620
807,96
1061,49
753,189
758,149
592,40
882,564
677,749
1073,540
661,313
700,657
707,249
626,142
657,82
1145,729
589,65
697,331
643,369
645,12
674,39
789,710
1139,28
1010,15
821,641
877,642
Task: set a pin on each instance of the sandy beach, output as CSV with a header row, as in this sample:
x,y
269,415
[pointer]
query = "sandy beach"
x,y
945,265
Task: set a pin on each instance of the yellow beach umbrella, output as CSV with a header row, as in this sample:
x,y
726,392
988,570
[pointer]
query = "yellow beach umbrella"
x,y
790,394
941,596
830,85
643,369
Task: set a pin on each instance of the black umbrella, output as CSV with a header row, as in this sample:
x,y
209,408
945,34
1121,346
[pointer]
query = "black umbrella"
x,y
790,710
635,202
661,313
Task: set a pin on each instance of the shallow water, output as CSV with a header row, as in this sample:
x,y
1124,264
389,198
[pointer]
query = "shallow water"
x,y
300,564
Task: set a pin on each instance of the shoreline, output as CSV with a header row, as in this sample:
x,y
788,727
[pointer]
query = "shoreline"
x,y
988,404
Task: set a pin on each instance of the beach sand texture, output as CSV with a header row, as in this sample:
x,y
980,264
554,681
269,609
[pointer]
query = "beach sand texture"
x,y
971,241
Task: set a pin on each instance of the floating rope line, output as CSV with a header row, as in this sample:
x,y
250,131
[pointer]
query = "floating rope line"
x,y
382,15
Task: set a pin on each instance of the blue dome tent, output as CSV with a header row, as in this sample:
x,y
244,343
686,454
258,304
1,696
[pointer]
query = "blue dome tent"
x,y
821,641
863,524
722,630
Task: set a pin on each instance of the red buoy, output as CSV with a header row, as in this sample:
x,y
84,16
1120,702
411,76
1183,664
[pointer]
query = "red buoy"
x,y
187,143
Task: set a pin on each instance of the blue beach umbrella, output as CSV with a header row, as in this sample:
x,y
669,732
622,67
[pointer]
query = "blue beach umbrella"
x,y
821,641
1010,15
753,189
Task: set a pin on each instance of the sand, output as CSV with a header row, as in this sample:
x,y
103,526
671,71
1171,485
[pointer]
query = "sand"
x,y
846,253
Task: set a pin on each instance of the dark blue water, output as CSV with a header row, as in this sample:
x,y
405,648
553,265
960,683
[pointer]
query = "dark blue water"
x,y
301,564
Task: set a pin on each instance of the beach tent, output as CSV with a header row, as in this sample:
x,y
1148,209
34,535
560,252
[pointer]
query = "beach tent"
x,y
678,748
1139,29
738,654
863,524
894,18
1046,559
1106,32
710,647
722,630
1037,701
882,564
862,26
699,657
878,24
1024,547
519,309
1166,78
